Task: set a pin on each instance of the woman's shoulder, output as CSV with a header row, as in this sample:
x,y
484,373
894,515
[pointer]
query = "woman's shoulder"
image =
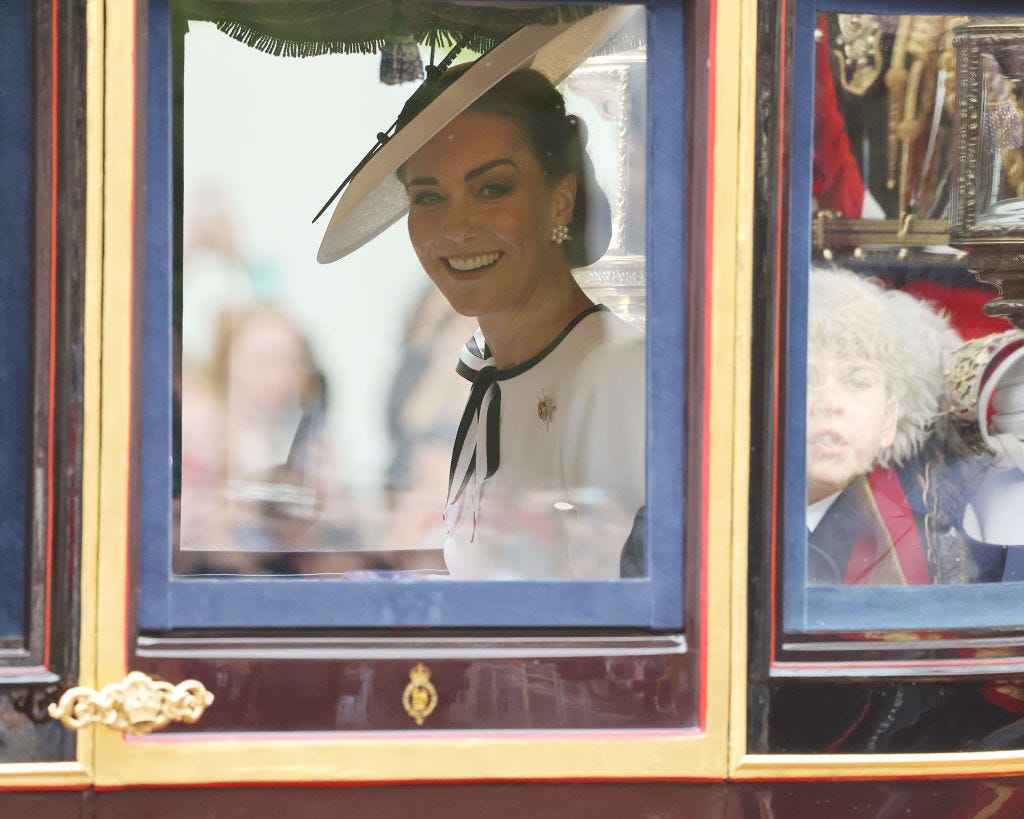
x,y
600,334
615,348
609,369
604,405
607,326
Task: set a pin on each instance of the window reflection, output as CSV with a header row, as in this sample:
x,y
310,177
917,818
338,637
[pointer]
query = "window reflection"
x,y
883,500
914,453
883,114
318,405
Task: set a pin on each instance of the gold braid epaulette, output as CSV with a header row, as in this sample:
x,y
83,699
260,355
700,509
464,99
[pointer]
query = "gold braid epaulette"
x,y
964,380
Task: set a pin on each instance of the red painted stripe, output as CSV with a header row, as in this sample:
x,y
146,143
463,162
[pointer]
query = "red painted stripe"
x,y
316,783
371,783
951,663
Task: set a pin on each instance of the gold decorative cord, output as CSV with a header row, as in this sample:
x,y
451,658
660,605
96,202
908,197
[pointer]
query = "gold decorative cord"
x,y
911,81
138,704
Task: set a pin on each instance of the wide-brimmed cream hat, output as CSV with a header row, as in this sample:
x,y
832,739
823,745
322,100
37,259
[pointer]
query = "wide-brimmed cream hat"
x,y
375,199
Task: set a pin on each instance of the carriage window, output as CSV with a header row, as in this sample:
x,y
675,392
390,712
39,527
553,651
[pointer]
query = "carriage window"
x,y
907,362
339,427
884,602
42,205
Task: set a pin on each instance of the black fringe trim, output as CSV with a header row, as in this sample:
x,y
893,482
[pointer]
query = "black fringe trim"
x,y
447,25
282,47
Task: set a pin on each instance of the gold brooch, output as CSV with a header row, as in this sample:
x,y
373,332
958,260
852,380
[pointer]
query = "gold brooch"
x,y
419,697
545,409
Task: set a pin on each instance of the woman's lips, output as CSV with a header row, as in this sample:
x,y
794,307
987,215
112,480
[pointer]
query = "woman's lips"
x,y
471,263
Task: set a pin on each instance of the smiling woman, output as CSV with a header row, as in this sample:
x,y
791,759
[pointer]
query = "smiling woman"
x,y
547,471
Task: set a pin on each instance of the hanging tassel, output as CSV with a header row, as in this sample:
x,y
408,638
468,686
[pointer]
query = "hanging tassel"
x,y
400,57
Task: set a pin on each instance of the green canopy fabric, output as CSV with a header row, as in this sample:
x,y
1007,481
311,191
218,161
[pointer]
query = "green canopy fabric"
x,y
305,28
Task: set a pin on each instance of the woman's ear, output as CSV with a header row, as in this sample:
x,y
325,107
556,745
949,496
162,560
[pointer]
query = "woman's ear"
x,y
563,200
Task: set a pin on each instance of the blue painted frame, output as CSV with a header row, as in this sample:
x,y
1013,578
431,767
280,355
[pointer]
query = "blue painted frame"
x,y
167,601
849,608
16,278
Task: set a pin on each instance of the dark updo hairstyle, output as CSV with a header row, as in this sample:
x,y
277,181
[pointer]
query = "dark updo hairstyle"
x,y
527,98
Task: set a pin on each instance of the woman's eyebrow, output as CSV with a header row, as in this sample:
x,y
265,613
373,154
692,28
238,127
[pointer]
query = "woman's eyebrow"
x,y
475,172
422,180
487,166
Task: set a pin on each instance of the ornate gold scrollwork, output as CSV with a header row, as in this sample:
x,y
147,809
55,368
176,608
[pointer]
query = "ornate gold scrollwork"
x,y
419,697
138,704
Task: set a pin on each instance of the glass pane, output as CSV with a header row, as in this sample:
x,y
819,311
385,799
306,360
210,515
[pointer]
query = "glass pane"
x,y
39,453
15,330
915,448
319,403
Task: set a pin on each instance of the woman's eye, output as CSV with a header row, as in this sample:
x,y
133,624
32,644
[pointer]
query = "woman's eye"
x,y
494,190
423,198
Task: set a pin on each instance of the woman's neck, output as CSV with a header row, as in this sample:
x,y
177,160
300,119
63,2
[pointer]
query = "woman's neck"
x,y
518,335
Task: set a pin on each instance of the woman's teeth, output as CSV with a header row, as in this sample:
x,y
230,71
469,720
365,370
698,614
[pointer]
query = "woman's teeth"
x,y
466,263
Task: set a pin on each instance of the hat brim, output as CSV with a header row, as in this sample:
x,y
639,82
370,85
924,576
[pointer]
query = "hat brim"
x,y
375,199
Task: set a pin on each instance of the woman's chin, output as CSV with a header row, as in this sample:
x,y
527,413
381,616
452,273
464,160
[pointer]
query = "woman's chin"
x,y
471,301
470,308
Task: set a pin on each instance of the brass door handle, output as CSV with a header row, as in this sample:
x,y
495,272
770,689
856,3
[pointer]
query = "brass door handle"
x,y
138,704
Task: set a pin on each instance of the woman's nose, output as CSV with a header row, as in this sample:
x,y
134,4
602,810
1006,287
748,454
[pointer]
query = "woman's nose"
x,y
460,222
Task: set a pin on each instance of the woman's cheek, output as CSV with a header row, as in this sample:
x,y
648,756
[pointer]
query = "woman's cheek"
x,y
415,229
420,237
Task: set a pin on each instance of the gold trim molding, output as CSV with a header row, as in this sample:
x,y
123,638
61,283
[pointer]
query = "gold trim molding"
x,y
136,705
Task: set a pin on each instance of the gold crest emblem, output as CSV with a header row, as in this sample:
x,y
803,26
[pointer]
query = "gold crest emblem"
x,y
419,697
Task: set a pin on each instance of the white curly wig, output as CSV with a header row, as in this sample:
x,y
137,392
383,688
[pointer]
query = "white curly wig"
x,y
907,338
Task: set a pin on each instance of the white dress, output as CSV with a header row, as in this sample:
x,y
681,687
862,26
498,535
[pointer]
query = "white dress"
x,y
570,457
